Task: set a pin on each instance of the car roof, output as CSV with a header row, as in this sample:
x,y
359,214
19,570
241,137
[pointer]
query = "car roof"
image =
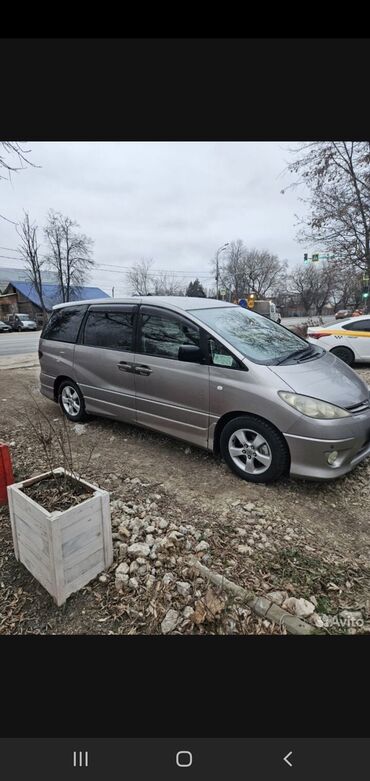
x,y
184,303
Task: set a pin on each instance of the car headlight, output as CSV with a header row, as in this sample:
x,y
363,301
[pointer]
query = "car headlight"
x,y
314,408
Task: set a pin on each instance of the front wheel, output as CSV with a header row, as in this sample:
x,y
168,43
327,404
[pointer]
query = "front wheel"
x,y
71,401
254,449
19,329
345,354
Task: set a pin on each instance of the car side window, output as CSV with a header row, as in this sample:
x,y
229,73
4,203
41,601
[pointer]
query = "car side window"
x,y
162,335
112,330
64,324
221,356
360,325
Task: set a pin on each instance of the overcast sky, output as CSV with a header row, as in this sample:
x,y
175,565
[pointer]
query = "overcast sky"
x,y
170,201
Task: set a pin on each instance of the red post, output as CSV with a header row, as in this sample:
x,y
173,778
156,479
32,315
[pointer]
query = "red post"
x,y
6,473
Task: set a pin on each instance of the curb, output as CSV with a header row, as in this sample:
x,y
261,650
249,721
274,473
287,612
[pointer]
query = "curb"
x,y
260,605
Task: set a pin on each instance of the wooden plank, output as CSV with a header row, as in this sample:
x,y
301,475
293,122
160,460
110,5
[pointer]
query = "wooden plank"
x,y
57,558
33,543
13,521
82,512
30,509
94,544
106,528
84,579
84,567
79,541
35,566
31,528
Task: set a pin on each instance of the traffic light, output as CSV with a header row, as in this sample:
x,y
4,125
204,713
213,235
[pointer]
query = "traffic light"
x,y
305,257
365,295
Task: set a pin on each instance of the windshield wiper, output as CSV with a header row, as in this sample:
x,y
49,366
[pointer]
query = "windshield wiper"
x,y
304,352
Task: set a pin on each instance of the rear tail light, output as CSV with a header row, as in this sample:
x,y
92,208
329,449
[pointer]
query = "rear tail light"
x,y
318,335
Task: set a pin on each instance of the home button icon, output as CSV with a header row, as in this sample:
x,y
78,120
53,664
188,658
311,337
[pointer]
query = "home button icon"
x,y
184,759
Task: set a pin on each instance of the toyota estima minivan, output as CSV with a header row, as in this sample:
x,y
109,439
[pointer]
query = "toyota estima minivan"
x,y
213,374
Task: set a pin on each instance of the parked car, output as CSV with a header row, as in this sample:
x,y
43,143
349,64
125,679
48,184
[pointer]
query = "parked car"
x,y
349,341
22,322
211,373
4,327
342,313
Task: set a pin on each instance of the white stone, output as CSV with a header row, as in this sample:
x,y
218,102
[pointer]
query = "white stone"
x,y
133,583
316,620
183,588
277,596
138,549
202,546
170,621
244,549
300,607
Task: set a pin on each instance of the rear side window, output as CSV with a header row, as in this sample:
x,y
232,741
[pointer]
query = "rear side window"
x,y
64,324
110,329
361,325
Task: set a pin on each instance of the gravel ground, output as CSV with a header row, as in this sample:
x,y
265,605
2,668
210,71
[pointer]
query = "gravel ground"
x,y
306,543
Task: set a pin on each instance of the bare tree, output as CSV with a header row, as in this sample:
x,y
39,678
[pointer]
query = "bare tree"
x,y
250,270
337,175
13,158
167,285
264,271
139,277
233,273
69,253
29,250
314,286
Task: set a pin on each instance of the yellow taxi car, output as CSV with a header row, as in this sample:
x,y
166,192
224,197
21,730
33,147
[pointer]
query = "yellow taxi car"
x,y
349,340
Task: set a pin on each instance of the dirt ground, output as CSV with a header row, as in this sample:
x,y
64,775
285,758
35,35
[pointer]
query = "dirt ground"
x,y
304,538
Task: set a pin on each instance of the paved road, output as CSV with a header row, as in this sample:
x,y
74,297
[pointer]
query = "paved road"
x,y
19,343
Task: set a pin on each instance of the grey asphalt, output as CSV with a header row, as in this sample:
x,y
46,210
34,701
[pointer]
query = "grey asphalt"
x,y
19,343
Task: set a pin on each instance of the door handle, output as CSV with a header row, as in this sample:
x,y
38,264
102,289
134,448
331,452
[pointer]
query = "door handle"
x,y
124,366
142,369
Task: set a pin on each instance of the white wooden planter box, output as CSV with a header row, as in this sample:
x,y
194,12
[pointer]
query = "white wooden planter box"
x,y
63,550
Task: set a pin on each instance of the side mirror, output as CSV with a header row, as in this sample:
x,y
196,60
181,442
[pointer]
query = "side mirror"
x,y
190,353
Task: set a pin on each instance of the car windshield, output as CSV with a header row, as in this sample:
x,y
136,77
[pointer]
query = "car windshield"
x,y
23,317
256,337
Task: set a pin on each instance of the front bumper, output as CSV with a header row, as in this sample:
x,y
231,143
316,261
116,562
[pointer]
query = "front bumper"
x,y
309,456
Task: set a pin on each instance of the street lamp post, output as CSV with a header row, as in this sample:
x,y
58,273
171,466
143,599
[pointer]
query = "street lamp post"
x,y
220,249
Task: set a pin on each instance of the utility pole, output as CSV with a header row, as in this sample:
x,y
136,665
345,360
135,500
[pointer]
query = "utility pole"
x,y
220,249
112,292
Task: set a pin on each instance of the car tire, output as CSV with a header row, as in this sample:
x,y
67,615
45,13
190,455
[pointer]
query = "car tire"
x,y
19,329
345,354
71,401
266,456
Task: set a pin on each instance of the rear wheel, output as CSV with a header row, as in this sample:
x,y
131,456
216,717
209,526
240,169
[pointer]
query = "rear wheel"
x,y
19,329
345,354
71,401
254,450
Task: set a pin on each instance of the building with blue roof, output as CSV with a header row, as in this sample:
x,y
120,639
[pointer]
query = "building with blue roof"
x,y
21,296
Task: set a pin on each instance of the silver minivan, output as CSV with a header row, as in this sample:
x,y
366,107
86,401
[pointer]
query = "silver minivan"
x,y
213,374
